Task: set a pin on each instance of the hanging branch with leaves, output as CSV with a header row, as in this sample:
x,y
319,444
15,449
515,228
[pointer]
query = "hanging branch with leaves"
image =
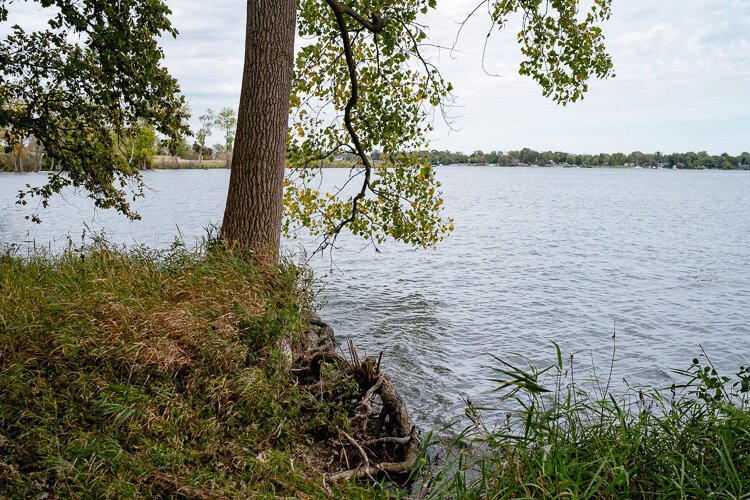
x,y
362,83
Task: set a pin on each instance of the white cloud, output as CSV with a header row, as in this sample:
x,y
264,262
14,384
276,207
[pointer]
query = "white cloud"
x,y
683,77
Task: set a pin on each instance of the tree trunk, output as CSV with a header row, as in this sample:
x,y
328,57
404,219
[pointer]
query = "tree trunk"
x,y
17,159
252,219
39,157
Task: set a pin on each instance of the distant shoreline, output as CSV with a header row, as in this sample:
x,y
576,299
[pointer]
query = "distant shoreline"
x,y
475,165
212,165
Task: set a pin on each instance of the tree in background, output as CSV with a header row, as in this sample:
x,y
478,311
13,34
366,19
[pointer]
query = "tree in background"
x,y
180,149
18,152
139,146
37,150
25,155
208,120
549,158
226,120
220,149
478,157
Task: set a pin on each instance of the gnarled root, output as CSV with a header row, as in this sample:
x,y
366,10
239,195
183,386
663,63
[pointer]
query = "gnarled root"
x,y
381,437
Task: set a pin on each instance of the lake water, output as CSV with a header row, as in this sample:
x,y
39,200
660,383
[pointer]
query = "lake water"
x,y
538,255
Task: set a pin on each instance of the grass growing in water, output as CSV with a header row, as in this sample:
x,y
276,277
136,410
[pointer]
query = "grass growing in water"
x,y
688,441
146,374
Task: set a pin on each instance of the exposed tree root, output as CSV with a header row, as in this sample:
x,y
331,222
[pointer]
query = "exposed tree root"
x,y
379,436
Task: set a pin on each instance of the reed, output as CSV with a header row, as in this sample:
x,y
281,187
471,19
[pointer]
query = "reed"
x,y
562,440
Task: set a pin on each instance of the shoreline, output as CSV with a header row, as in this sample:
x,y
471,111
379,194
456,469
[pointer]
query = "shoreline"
x,y
342,167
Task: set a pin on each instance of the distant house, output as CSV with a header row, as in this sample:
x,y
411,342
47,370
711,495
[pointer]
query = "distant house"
x,y
743,166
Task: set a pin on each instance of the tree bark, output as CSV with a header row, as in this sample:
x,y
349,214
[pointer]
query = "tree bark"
x,y
17,160
39,157
252,219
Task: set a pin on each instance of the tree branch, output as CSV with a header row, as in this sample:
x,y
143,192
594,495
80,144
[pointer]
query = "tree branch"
x,y
339,11
375,25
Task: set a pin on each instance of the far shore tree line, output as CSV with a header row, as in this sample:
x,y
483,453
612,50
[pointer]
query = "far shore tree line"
x,y
142,147
526,156
146,151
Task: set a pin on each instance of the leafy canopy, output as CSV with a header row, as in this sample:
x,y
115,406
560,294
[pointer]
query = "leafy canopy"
x,y
84,87
362,84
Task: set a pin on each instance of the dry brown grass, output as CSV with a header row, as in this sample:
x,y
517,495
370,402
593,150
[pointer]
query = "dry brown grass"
x,y
129,374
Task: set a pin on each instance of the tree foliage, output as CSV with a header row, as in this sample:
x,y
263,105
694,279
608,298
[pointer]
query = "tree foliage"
x,y
83,84
226,120
362,83
562,43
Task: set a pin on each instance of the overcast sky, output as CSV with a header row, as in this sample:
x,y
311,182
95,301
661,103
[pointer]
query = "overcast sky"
x,y
683,78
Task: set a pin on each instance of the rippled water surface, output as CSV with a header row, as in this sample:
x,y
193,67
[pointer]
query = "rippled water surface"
x,y
537,255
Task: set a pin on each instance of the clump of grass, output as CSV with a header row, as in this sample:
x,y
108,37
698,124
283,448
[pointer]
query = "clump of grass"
x,y
690,440
143,373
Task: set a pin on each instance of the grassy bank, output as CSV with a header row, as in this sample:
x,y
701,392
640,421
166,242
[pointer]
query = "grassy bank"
x,y
144,374
174,163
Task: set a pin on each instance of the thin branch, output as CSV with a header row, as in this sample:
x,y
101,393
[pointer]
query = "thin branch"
x,y
463,23
375,25
339,11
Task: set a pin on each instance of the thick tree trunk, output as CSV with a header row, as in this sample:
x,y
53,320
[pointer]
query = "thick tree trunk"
x,y
252,219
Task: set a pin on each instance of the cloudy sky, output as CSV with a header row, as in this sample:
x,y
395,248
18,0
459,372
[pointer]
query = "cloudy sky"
x,y
683,78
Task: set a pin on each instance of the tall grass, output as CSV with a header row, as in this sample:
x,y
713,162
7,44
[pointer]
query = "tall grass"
x,y
691,440
151,374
